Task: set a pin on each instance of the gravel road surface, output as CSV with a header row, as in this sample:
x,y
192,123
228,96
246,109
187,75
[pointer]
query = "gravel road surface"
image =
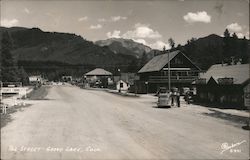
x,y
73,123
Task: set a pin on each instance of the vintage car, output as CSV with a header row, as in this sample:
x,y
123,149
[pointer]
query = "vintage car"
x,y
163,97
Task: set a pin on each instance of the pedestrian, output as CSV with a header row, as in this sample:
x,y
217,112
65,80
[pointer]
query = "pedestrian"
x,y
178,99
187,97
173,97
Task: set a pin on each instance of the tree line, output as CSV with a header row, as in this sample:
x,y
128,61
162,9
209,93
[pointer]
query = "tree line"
x,y
10,71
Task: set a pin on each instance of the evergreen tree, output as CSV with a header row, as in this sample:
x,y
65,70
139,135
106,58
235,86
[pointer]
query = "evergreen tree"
x,y
235,36
171,42
226,46
8,67
226,33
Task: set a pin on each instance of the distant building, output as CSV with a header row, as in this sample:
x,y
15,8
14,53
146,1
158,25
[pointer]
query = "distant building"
x,y
225,84
154,74
98,78
33,80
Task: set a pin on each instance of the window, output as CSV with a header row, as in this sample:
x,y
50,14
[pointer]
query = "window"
x,y
121,85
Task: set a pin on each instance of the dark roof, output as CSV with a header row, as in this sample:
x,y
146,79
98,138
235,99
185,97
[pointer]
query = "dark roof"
x,y
158,62
98,72
240,73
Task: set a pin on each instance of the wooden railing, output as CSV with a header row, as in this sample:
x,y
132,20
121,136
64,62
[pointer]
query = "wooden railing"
x,y
172,78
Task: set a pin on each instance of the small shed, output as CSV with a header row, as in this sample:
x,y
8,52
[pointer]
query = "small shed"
x,y
122,85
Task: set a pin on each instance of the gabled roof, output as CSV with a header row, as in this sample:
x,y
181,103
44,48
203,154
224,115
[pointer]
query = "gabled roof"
x,y
98,72
240,73
158,62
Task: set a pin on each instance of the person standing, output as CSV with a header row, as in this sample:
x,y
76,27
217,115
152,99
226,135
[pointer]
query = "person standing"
x,y
173,98
187,97
178,99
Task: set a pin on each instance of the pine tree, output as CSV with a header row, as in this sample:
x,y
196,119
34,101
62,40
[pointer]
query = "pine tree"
x,y
8,67
171,42
226,33
235,36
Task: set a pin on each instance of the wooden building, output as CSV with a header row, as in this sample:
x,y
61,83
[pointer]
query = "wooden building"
x,y
98,78
155,73
227,85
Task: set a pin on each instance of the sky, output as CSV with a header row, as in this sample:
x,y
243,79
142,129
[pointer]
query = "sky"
x,y
151,22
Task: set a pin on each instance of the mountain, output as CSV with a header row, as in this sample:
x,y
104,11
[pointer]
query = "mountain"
x,y
214,49
36,45
39,51
125,47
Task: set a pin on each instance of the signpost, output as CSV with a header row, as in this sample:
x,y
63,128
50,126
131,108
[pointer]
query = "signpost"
x,y
11,88
3,107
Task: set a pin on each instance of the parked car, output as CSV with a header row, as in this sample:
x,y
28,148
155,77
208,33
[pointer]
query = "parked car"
x,y
163,97
184,90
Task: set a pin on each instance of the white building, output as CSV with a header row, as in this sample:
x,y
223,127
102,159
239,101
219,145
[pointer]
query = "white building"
x,y
122,86
35,79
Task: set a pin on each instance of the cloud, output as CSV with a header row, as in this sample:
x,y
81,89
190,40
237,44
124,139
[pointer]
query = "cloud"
x,y
114,34
101,20
9,22
247,35
240,35
197,17
98,26
26,10
140,41
85,18
117,18
142,31
112,19
159,45
234,27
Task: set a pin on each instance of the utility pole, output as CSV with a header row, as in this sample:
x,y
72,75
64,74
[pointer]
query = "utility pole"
x,y
1,95
169,86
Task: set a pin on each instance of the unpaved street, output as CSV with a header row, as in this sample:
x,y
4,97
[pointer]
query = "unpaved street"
x,y
72,123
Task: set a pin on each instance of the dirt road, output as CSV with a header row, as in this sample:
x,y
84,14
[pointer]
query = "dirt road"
x,y
73,123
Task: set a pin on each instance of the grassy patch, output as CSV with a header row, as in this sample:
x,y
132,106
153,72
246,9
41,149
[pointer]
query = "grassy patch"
x,y
228,117
6,118
38,93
